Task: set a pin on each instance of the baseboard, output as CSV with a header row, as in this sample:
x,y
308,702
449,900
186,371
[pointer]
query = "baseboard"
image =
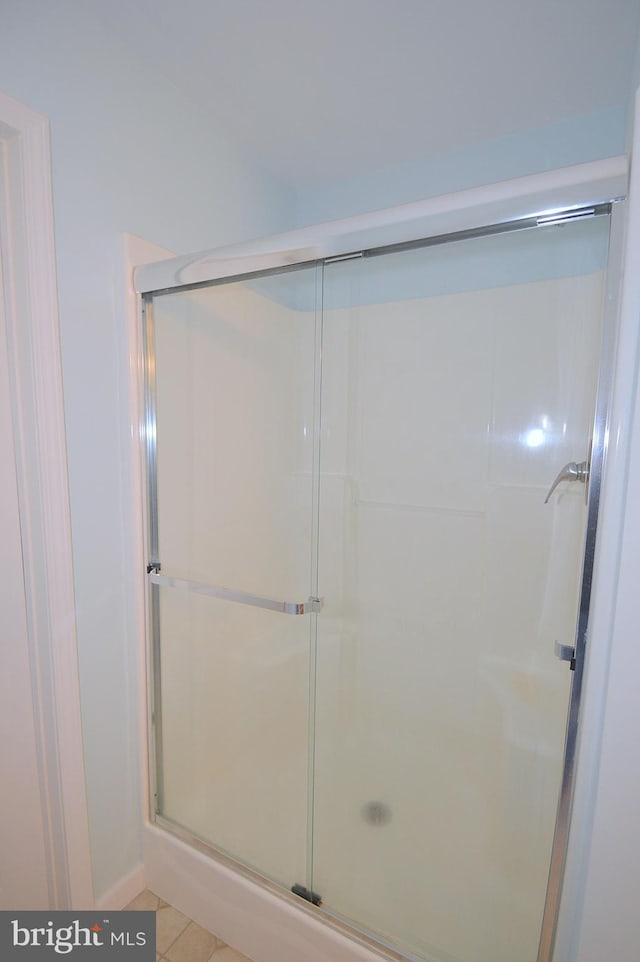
x,y
124,890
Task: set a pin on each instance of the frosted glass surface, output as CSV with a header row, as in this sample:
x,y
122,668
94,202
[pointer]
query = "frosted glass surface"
x,y
234,729
235,372
441,708
234,375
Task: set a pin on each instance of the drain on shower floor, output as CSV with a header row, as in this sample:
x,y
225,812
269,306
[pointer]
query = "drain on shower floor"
x,y
376,813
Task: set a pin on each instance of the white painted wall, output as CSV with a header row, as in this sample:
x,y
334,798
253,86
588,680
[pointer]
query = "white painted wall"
x,y
129,153
24,871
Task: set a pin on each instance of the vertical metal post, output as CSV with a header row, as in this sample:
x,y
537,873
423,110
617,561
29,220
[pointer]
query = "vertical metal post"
x,y
598,456
315,545
150,428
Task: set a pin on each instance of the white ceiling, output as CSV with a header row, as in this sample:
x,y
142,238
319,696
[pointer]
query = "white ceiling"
x,y
320,90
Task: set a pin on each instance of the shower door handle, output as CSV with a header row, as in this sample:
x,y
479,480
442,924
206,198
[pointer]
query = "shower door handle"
x,y
310,606
570,472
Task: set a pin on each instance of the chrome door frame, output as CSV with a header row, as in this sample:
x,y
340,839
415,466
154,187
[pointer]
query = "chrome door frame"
x,y
608,342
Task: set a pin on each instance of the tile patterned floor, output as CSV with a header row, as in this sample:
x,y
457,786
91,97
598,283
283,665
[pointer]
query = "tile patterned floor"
x,y
178,938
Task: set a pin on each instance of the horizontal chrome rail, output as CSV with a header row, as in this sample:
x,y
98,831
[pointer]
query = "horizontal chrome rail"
x,y
524,199
240,597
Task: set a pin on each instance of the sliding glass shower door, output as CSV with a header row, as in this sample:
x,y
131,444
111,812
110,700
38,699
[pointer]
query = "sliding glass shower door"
x,y
457,383
235,409
361,579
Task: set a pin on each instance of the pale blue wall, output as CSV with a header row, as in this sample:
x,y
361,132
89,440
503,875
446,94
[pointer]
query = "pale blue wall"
x,y
579,139
129,154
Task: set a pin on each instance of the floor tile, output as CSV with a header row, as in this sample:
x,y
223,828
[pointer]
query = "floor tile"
x,y
227,954
169,925
195,944
146,901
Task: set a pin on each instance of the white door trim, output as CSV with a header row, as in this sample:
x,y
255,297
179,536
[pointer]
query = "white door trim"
x,y
34,353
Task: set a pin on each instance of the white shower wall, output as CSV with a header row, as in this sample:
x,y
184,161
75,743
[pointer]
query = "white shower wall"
x,y
438,695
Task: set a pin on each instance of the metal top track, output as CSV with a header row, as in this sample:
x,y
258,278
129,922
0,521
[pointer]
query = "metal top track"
x,y
524,203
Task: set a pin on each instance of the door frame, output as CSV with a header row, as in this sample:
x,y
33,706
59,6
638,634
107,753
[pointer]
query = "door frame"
x,y
33,337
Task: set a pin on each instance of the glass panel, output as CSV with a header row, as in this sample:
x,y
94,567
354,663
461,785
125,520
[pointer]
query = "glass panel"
x,y
235,371
457,381
234,697
234,383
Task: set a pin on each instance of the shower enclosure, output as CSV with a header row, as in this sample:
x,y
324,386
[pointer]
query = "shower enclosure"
x,y
368,593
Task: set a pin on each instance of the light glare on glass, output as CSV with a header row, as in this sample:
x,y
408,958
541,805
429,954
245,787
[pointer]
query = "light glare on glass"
x,y
535,438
